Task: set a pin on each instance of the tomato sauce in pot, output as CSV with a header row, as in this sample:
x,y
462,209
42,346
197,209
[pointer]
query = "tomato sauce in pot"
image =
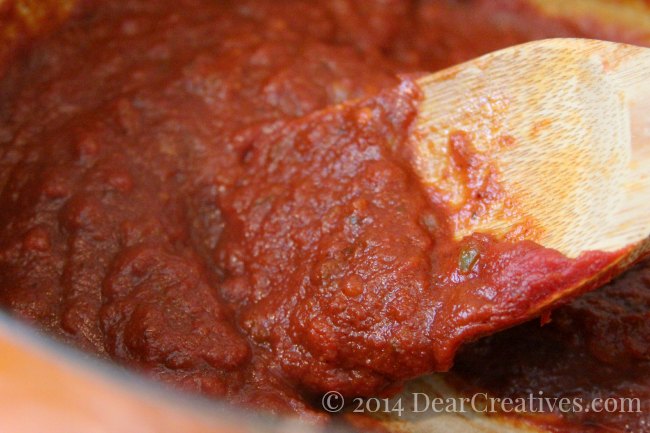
x,y
220,194
595,351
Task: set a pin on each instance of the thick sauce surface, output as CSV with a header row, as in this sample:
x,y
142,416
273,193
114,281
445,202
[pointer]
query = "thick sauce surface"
x,y
596,347
219,194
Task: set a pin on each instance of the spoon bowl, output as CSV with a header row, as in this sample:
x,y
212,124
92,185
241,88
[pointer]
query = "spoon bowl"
x,y
560,127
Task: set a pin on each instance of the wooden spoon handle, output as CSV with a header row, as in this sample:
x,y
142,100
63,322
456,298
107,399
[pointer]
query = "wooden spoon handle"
x,y
628,64
628,68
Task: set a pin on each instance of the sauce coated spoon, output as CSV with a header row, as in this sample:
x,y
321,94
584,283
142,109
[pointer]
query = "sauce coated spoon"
x,y
563,125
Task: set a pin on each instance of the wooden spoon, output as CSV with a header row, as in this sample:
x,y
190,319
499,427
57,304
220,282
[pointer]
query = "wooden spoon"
x,y
563,123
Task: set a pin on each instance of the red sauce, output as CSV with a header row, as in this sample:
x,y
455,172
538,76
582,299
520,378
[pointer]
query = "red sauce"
x,y
595,347
220,194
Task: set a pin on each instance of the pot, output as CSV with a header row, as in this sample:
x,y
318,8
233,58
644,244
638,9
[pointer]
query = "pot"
x,y
46,386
